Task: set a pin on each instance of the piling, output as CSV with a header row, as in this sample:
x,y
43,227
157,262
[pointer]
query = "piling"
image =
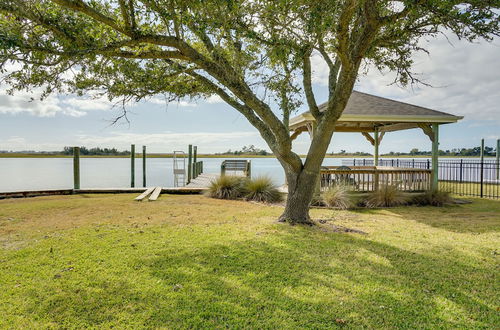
x,y
195,165
132,166
190,163
144,166
76,167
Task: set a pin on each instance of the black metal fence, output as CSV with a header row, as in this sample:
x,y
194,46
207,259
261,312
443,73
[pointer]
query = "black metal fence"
x,y
465,177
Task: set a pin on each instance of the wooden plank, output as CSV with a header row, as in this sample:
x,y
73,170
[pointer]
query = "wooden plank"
x,y
144,194
156,193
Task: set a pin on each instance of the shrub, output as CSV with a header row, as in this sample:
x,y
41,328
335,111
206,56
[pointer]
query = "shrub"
x,y
432,198
262,189
227,187
386,196
338,196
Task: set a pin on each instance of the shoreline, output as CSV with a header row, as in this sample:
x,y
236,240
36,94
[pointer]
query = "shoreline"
x,y
28,155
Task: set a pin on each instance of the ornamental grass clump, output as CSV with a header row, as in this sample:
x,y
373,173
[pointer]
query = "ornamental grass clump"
x,y
262,189
432,198
338,196
227,187
386,196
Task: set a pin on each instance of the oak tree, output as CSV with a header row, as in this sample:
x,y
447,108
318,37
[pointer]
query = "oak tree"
x,y
254,54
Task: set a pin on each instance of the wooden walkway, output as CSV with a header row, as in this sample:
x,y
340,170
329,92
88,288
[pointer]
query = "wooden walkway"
x,y
203,180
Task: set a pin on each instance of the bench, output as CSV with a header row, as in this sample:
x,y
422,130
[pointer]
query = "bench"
x,y
236,165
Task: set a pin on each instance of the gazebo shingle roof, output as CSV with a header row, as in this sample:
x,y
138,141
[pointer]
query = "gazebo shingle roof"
x,y
367,104
364,112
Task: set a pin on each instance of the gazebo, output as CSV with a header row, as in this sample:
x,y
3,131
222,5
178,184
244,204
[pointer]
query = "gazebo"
x,y
373,117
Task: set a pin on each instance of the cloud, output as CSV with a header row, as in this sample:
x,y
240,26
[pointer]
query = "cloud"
x,y
464,76
168,141
29,102
19,143
212,99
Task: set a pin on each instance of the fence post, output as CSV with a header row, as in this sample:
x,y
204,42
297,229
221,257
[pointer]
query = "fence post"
x,y
354,162
461,169
76,167
190,163
413,162
482,167
428,164
132,165
144,166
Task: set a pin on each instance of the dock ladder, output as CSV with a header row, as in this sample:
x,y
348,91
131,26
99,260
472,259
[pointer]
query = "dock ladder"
x,y
179,168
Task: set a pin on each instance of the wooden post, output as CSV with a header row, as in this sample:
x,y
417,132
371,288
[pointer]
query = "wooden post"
x,y
223,168
76,167
132,166
144,166
190,163
435,157
249,169
482,169
498,159
195,166
377,142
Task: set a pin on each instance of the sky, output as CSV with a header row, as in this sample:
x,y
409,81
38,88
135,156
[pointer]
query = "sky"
x,y
465,79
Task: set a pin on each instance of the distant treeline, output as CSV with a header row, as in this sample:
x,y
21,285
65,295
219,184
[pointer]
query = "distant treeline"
x,y
344,153
464,152
246,150
96,151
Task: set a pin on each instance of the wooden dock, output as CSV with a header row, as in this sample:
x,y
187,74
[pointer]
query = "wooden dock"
x,y
202,181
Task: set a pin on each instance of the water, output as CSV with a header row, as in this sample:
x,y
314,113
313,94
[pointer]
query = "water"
x,y
17,174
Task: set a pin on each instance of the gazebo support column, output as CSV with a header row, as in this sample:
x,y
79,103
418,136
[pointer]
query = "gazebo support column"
x,y
435,156
376,144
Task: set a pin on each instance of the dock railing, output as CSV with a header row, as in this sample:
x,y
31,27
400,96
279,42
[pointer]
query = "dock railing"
x,y
464,176
369,178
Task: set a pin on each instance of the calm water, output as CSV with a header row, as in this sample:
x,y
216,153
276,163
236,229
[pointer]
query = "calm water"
x,y
57,173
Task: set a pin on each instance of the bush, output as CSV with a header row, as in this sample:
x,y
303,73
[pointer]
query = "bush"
x,y
338,196
227,187
262,189
432,198
386,196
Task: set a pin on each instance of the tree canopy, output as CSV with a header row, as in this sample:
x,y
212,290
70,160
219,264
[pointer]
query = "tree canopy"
x,y
256,55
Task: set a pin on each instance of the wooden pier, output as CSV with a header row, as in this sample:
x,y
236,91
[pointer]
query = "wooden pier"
x,y
202,181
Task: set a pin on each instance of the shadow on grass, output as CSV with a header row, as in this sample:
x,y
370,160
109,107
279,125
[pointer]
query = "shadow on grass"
x,y
455,218
306,283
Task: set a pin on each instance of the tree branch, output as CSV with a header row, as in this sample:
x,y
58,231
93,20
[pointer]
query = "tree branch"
x,y
307,82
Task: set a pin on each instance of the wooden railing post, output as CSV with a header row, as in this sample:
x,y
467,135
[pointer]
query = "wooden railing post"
x,y
132,165
76,167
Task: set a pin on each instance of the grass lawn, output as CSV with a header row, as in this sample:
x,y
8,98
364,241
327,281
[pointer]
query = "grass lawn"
x,y
106,261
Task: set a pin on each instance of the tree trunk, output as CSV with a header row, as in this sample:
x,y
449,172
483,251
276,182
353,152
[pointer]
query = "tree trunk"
x,y
301,188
